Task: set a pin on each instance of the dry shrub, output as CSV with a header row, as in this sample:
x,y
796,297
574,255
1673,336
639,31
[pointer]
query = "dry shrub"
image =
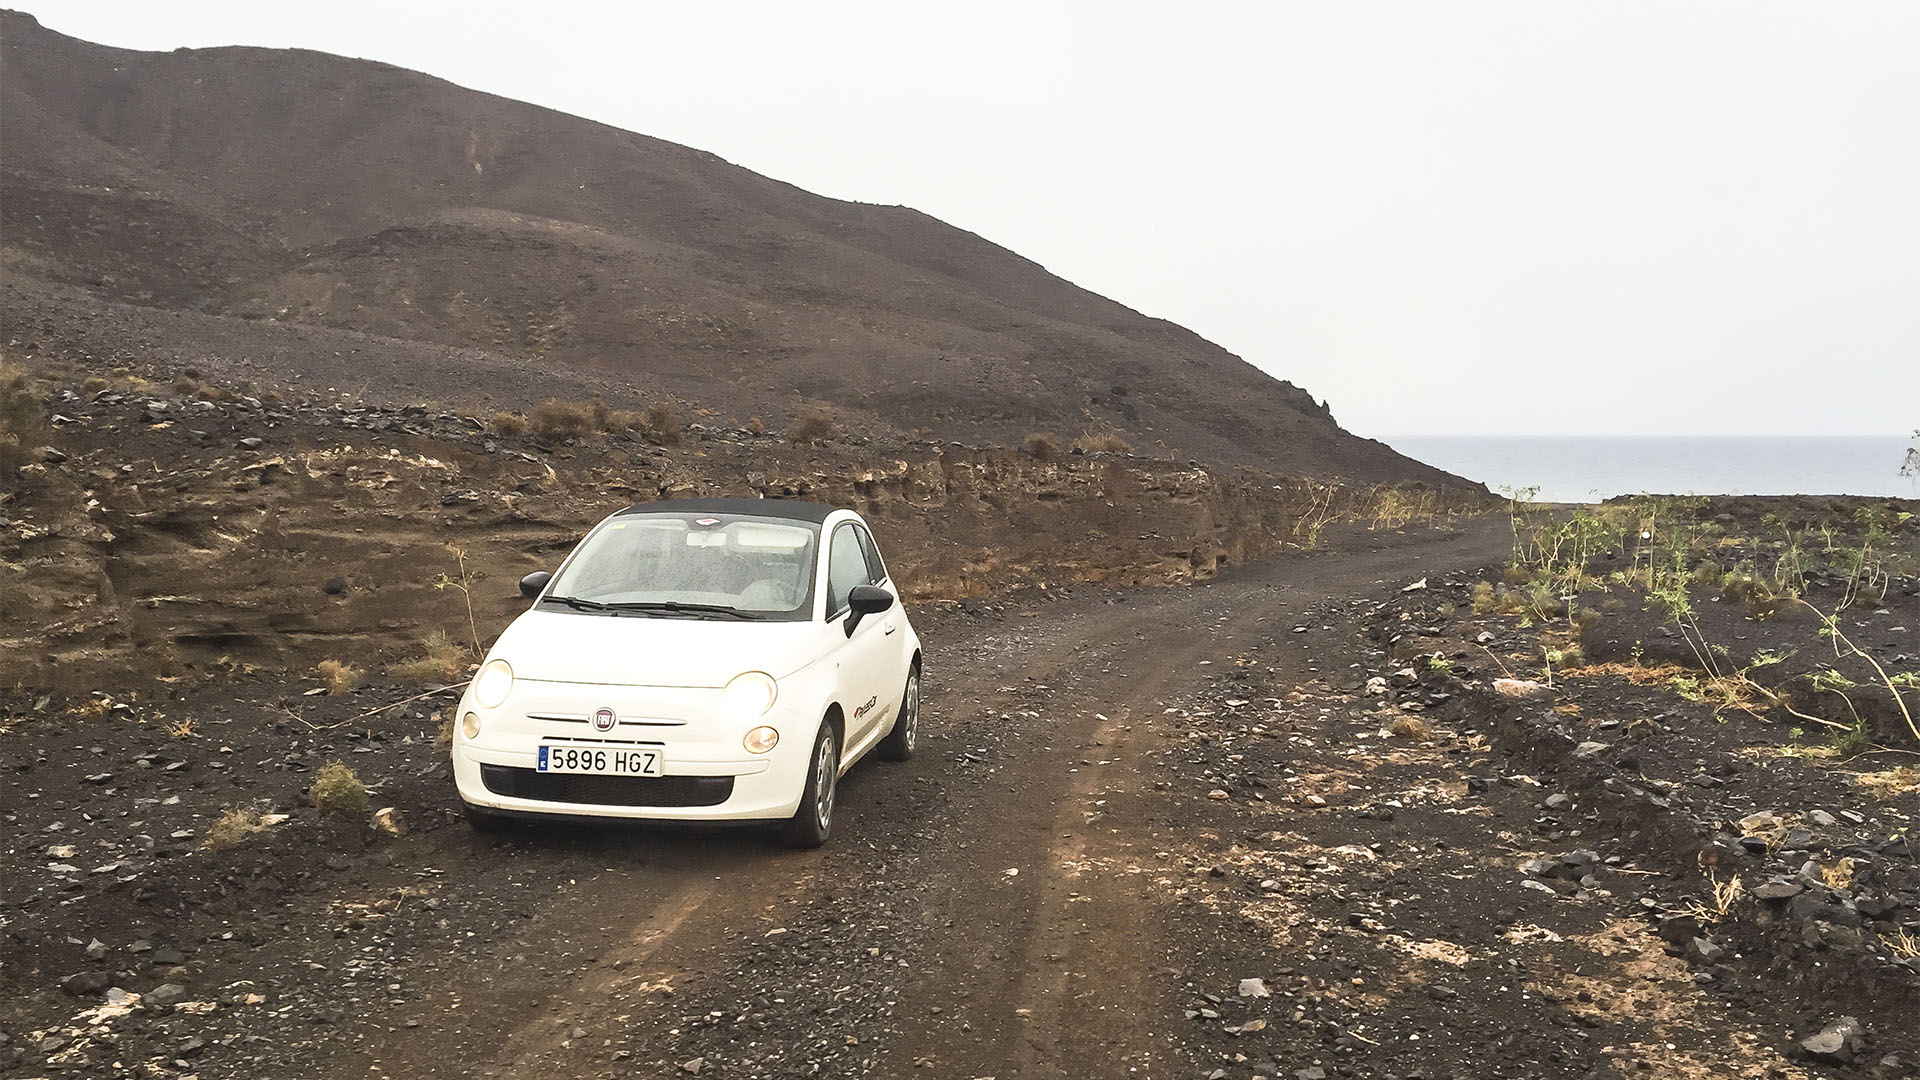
x,y
269,396
1102,442
338,677
1042,446
756,425
234,826
23,422
1483,599
507,423
336,790
185,387
556,419
813,428
95,385
662,422
445,661
1708,574
445,737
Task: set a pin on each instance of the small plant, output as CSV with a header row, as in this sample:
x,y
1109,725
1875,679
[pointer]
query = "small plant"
x,y
810,430
338,677
337,790
1042,446
445,661
95,385
1483,598
182,728
507,424
185,386
1852,742
1439,663
234,826
464,583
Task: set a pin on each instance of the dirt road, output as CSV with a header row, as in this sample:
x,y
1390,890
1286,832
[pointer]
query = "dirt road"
x,y
983,909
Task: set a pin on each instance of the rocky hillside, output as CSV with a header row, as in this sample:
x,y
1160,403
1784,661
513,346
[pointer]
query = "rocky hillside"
x,y
355,226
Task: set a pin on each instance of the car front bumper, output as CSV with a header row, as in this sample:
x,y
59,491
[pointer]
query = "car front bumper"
x,y
707,776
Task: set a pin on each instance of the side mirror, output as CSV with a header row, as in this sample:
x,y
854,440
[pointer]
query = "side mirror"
x,y
533,584
866,600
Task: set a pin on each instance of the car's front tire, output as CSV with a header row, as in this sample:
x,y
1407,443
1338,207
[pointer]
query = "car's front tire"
x,y
905,736
812,823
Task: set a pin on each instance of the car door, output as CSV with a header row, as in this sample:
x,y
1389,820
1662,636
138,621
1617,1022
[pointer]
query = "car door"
x,y
860,662
894,653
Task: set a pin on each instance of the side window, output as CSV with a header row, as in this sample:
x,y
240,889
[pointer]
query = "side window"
x,y
876,570
846,567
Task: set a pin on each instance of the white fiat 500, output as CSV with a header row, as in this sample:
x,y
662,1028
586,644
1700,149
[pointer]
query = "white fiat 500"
x,y
695,660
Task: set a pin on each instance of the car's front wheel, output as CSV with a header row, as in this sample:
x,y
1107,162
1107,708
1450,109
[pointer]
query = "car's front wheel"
x,y
900,742
812,823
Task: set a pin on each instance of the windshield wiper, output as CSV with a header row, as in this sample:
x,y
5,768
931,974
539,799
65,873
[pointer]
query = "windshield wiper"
x,y
676,607
671,607
576,602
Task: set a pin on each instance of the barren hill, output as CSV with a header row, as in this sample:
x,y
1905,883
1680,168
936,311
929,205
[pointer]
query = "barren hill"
x,y
325,220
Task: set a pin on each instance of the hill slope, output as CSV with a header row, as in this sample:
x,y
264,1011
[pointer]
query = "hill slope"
x,y
264,187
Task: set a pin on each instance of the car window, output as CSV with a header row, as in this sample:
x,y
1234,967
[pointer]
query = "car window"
x,y
876,570
846,567
760,566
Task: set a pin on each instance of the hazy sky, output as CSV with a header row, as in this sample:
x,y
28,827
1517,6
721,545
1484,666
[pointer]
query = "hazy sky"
x,y
1459,217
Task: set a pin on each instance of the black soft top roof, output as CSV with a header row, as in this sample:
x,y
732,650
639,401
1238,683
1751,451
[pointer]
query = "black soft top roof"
x,y
791,509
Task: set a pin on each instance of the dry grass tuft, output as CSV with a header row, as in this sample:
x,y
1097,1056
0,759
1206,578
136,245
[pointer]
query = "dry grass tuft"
x,y
1411,727
337,790
811,429
555,419
445,661
234,826
507,423
338,677
1891,783
95,385
1042,445
661,422
23,421
1102,442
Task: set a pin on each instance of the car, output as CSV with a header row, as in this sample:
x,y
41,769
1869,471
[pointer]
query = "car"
x,y
695,660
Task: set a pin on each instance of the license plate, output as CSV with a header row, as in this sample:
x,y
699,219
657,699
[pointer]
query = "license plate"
x,y
600,760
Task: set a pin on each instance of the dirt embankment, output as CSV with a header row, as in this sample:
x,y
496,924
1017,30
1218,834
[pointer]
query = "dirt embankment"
x,y
183,538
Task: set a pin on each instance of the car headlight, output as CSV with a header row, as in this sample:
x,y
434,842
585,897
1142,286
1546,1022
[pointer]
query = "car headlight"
x,y
748,697
493,684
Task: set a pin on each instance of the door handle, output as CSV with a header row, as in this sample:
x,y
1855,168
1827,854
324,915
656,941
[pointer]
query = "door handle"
x,y
890,628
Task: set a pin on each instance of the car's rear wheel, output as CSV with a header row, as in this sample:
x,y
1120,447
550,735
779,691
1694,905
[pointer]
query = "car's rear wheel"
x,y
485,820
900,742
812,823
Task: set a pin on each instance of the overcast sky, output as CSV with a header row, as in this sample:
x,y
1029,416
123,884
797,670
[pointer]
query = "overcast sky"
x,y
1462,217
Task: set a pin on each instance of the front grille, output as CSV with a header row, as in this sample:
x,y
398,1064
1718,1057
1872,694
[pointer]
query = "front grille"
x,y
607,790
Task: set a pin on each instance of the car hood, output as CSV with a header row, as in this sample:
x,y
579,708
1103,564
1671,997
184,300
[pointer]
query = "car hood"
x,y
629,650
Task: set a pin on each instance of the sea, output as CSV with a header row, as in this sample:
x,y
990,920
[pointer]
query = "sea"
x,y
1593,468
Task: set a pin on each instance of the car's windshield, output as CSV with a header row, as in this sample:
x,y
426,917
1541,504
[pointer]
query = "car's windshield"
x,y
677,564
